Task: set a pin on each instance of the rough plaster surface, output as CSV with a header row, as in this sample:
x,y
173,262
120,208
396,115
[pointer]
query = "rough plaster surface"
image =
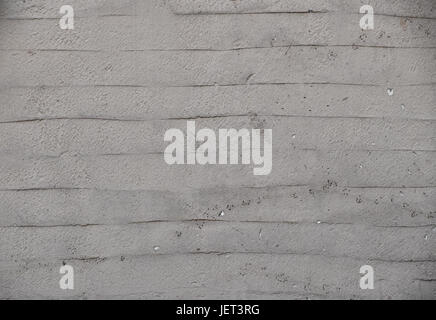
x,y
82,176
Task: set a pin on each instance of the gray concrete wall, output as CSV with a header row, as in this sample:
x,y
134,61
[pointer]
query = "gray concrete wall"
x,y
83,181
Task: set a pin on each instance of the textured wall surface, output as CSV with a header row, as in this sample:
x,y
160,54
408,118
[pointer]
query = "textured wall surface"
x,y
83,181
